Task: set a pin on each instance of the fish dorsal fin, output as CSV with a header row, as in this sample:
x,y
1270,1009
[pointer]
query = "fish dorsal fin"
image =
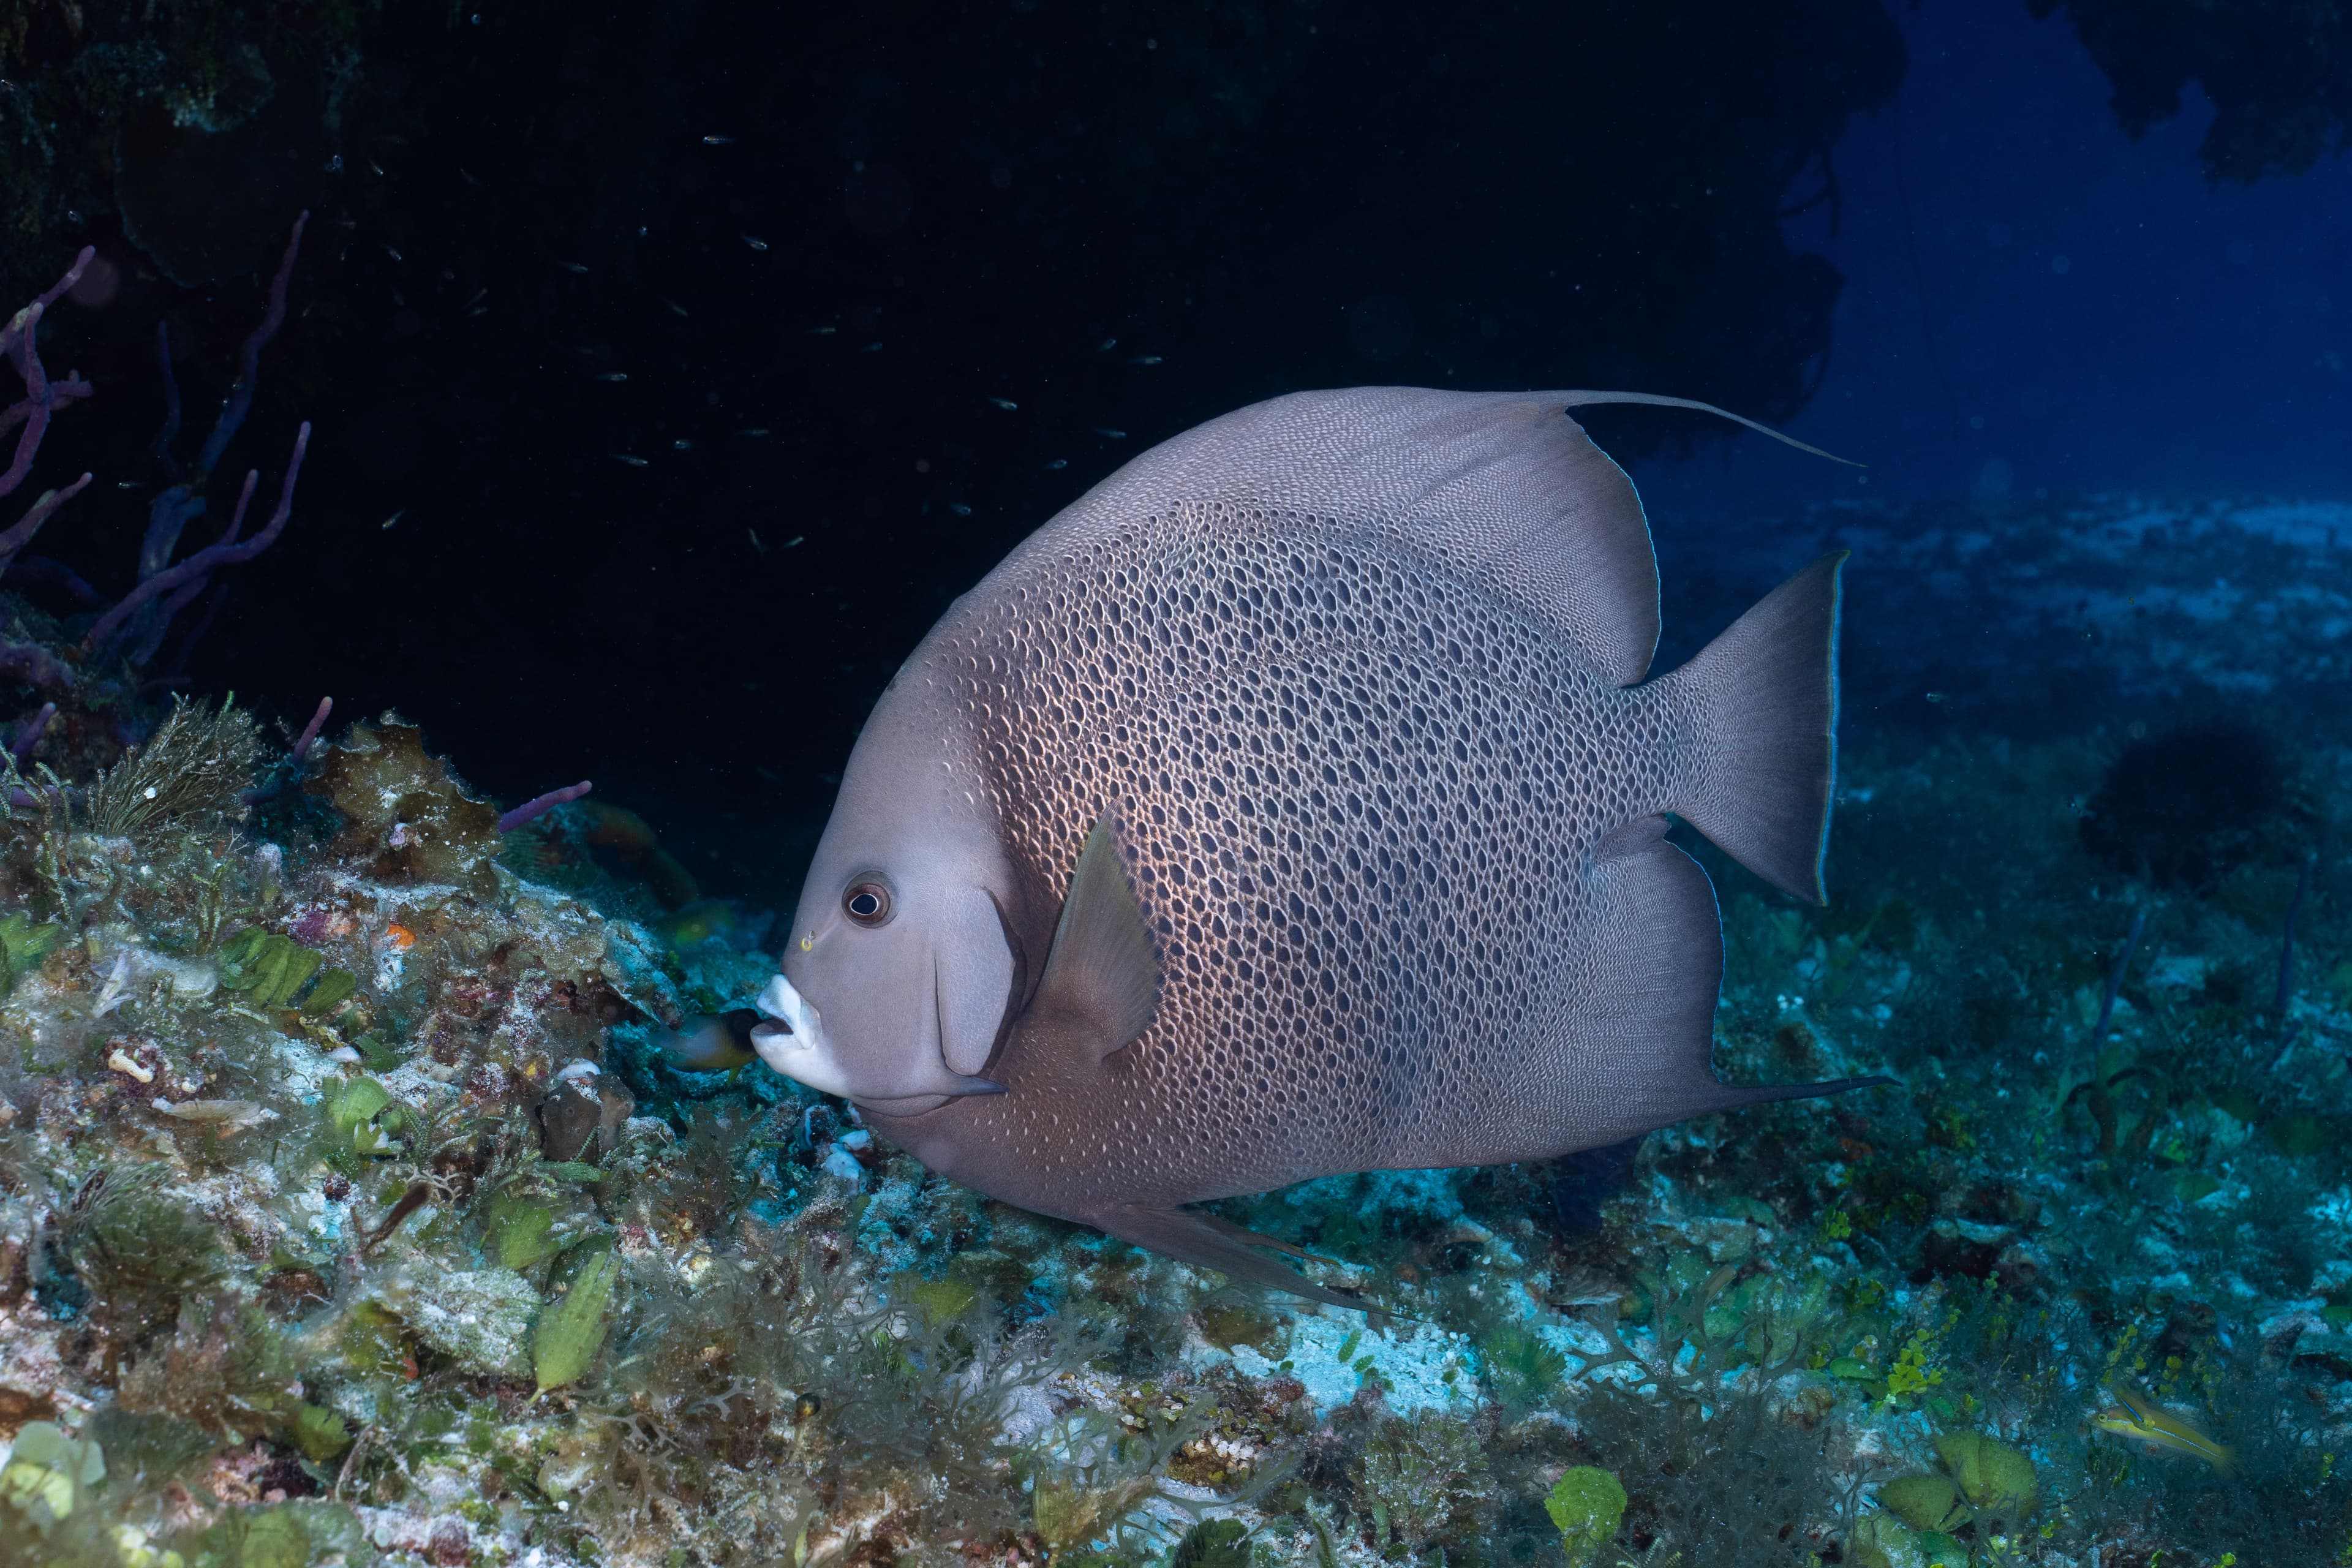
x,y
1101,967
2143,1409
1500,491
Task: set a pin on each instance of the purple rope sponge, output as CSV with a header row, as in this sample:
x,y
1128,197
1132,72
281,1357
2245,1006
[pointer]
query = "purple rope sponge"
x,y
201,563
311,731
530,810
30,735
20,345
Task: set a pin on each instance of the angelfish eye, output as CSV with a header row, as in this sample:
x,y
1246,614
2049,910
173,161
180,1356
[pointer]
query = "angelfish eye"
x,y
868,903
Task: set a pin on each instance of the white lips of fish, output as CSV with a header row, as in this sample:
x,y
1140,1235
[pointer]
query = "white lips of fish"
x,y
794,1045
794,1041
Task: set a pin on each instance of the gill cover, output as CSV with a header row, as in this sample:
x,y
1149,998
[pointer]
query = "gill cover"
x,y
898,1008
913,1009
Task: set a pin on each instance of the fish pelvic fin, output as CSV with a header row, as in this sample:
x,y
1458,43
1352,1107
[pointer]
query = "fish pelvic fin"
x,y
1737,1096
1763,769
1221,1245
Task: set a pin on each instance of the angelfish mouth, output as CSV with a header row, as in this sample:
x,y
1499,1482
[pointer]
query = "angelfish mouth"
x,y
789,1028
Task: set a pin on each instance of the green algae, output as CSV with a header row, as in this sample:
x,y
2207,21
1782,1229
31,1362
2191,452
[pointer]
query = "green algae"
x,y
573,1328
1991,1474
23,943
48,1471
320,1435
1586,1505
1923,1502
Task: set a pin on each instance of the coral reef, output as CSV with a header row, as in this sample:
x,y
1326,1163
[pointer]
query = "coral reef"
x,y
358,1202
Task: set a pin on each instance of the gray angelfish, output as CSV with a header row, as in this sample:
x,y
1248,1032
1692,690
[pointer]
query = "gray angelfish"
x,y
1294,803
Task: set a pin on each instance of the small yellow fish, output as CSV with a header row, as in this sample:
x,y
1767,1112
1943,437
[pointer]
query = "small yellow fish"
x,y
2137,1416
694,923
718,1042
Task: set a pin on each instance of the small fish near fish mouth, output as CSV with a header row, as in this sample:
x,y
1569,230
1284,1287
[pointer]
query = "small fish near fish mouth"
x,y
713,1043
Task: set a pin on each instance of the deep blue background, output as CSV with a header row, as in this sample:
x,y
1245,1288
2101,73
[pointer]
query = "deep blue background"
x,y
2115,320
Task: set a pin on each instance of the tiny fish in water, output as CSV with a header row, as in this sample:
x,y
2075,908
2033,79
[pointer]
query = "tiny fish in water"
x,y
719,1042
1107,434
1105,346
795,539
823,332
1004,403
673,304
755,540
2137,1416
682,445
755,243
719,140
395,255
957,507
573,267
755,430
625,458
227,1117
1145,359
396,517
1090,968
613,375
1057,463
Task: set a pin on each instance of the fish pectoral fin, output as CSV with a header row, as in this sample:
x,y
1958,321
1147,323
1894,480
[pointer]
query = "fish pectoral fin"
x,y
1220,1245
1101,967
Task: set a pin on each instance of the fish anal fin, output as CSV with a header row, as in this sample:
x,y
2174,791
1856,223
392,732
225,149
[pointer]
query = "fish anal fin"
x,y
1217,1244
1646,1033
1101,974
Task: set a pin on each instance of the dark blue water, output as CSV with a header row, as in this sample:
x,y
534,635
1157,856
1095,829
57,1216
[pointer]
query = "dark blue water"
x,y
2037,304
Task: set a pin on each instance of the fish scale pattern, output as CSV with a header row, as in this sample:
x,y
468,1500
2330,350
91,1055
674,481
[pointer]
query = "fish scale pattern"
x,y
1357,798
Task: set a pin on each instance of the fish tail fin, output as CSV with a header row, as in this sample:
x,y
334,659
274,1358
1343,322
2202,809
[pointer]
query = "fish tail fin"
x,y
1765,693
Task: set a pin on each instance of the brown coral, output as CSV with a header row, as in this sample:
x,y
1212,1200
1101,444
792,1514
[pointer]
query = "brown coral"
x,y
406,814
